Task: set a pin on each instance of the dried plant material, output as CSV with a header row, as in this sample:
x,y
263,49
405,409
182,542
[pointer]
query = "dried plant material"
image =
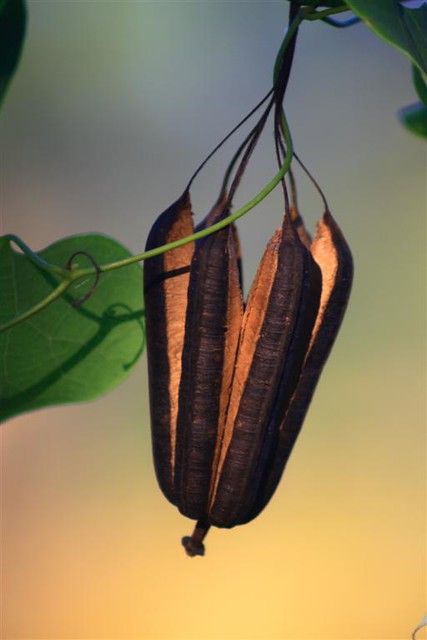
x,y
234,323
249,335
299,225
218,211
213,292
239,382
332,253
271,352
166,279
291,369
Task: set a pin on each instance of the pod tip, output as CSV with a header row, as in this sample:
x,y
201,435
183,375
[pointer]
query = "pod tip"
x,y
192,547
193,544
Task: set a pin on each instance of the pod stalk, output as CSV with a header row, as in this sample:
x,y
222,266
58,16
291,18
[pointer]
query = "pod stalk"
x,y
193,544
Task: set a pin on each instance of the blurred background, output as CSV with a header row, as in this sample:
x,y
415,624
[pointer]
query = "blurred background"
x,y
113,107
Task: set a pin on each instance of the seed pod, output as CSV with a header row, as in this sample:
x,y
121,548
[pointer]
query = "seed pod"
x,y
213,321
332,254
229,388
276,328
166,279
299,226
292,365
219,211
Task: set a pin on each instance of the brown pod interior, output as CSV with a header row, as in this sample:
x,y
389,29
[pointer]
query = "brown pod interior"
x,y
211,333
238,383
332,254
274,315
166,279
291,369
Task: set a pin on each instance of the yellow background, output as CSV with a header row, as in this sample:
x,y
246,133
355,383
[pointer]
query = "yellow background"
x,y
114,105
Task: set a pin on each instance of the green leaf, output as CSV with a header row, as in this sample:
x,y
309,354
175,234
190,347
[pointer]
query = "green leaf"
x,y
13,20
414,117
64,354
419,84
404,28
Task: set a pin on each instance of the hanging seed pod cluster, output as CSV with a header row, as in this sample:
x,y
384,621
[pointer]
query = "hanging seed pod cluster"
x,y
230,380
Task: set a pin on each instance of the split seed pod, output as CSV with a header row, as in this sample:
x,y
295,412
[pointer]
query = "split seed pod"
x,y
166,279
332,253
213,320
229,388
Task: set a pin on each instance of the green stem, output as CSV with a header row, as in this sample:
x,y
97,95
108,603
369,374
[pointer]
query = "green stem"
x,y
35,258
78,274
69,277
320,15
54,295
81,273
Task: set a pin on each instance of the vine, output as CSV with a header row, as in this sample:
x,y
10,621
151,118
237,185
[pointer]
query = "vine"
x,y
69,276
51,275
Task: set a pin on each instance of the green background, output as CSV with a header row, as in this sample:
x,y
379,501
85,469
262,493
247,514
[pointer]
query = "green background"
x,y
113,106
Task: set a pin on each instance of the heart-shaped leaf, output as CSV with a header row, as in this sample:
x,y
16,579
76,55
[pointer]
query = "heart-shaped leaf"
x,y
12,31
404,28
64,354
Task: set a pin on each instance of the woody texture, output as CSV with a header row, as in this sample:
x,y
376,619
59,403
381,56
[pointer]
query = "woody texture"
x,y
231,380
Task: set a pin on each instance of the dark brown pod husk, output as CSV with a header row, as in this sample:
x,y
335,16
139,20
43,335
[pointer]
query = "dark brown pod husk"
x,y
166,279
229,389
279,317
333,255
291,369
300,228
219,211
213,319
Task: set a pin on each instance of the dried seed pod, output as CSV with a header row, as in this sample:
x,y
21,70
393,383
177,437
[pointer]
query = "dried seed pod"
x,y
218,211
166,279
229,388
276,328
332,254
299,225
292,365
213,320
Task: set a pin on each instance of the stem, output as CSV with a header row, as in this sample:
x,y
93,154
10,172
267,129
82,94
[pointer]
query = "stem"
x,y
35,258
247,155
81,273
321,15
286,42
193,544
229,134
78,274
54,295
313,180
294,191
235,158
69,277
